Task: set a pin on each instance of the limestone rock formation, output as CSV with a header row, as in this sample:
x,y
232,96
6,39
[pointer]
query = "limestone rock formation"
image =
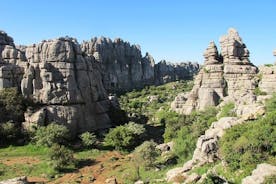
x,y
239,73
168,72
208,85
268,74
12,62
123,66
228,75
66,85
259,174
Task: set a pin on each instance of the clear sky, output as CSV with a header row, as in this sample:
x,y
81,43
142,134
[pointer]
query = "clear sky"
x,y
175,30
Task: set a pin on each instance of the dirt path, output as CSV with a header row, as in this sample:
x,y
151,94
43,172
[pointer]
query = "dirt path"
x,y
96,173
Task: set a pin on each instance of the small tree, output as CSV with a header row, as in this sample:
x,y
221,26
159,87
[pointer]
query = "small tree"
x,y
124,137
11,105
53,133
146,154
61,157
88,139
9,131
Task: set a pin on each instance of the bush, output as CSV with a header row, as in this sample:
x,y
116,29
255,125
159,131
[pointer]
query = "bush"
x,y
88,139
11,105
9,131
124,136
257,91
146,154
184,144
61,157
51,134
271,104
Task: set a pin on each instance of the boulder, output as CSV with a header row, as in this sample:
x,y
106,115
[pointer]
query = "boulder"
x,y
18,180
259,174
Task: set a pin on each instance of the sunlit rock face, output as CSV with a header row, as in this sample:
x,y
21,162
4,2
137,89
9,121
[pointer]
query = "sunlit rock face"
x,y
12,62
66,85
124,68
229,74
267,75
122,64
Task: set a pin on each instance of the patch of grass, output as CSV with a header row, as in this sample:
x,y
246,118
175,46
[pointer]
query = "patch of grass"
x,y
257,91
203,169
227,110
27,150
85,154
233,177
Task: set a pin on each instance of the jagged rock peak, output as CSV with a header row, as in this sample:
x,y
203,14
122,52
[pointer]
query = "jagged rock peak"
x,y
5,39
274,52
233,50
211,54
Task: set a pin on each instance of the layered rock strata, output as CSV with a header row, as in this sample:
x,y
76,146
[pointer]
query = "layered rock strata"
x,y
165,72
12,63
66,85
228,75
267,76
124,68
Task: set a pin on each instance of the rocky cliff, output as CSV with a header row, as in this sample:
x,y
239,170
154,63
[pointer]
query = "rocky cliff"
x,y
124,68
228,76
64,83
69,82
165,72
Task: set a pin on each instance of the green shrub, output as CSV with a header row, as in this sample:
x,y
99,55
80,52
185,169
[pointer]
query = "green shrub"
x,y
146,154
11,105
88,139
228,110
51,134
9,131
184,144
186,131
124,137
246,145
257,91
271,104
61,157
268,65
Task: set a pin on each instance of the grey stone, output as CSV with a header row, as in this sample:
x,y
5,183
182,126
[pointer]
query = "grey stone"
x,y
18,180
259,174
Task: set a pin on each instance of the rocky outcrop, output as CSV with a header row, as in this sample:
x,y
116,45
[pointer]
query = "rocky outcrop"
x,y
124,68
69,82
260,173
267,82
239,73
66,85
208,85
228,75
12,62
168,72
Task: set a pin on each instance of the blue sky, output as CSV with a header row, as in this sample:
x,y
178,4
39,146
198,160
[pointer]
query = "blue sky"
x,y
175,30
